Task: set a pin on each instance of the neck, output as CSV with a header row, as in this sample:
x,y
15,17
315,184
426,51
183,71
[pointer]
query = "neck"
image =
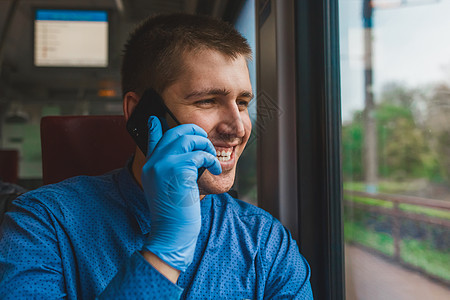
x,y
136,166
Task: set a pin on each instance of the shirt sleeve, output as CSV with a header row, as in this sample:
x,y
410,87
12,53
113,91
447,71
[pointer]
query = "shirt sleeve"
x,y
288,273
31,266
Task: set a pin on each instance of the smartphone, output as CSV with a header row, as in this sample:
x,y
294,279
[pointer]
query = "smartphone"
x,y
150,104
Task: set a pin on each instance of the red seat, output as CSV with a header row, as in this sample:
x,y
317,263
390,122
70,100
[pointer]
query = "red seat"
x,y
9,165
83,145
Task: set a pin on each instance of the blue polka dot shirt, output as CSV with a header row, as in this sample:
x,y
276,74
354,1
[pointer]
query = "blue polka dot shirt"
x,y
81,239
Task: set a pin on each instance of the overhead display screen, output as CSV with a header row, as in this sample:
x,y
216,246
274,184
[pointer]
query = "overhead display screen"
x,y
70,38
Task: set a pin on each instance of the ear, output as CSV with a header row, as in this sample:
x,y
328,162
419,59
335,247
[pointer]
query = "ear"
x,y
130,100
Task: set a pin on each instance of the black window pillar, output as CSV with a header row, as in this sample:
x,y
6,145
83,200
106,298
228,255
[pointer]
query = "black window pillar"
x,y
319,129
298,131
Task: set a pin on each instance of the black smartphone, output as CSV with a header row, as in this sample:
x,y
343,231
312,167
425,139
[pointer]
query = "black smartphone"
x,y
150,104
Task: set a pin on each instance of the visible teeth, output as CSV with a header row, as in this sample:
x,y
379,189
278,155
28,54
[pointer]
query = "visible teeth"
x,y
224,155
224,158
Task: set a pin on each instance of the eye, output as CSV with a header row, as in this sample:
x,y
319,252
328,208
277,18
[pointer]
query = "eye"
x,y
205,102
243,104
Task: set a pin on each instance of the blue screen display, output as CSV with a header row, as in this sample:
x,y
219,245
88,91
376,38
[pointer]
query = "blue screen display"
x,y
71,15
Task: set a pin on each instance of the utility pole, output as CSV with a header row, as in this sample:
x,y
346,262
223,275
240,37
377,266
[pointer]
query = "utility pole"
x,y
370,127
370,156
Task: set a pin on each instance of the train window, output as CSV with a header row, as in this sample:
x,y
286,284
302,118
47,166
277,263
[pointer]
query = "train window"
x,y
395,90
245,183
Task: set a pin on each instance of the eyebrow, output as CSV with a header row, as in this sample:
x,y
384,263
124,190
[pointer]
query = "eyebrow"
x,y
222,92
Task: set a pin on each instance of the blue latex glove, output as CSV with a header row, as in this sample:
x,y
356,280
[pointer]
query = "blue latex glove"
x,y
169,181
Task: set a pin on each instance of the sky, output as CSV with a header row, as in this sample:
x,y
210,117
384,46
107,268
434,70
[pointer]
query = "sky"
x,y
245,24
411,45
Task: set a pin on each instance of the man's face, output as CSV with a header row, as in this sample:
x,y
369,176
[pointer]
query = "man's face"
x,y
213,92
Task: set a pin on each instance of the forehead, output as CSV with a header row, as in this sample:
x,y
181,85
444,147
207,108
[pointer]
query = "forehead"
x,y
209,67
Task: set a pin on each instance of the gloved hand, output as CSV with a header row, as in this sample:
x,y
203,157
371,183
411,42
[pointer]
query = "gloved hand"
x,y
169,181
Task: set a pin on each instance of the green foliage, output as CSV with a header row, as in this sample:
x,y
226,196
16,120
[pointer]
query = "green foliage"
x,y
399,95
400,143
425,211
433,169
443,151
352,139
412,142
354,186
422,255
395,187
381,242
443,214
369,201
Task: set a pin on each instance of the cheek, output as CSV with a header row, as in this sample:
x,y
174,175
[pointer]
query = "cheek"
x,y
205,121
247,125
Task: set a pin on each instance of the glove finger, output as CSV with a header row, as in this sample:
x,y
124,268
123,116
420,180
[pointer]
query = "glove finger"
x,y
189,143
202,159
154,134
182,130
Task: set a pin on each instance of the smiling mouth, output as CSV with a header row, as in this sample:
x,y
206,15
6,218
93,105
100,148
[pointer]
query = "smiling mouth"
x,y
224,154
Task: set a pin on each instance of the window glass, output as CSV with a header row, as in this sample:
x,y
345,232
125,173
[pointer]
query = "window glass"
x,y
395,83
245,183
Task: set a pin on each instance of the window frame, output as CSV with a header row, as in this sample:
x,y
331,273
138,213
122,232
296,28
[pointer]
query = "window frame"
x,y
306,196
319,144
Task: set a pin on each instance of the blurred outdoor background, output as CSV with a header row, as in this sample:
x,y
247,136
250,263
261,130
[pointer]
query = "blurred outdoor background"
x,y
395,82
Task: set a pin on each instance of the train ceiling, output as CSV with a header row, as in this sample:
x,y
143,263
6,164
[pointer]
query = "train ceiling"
x,y
20,79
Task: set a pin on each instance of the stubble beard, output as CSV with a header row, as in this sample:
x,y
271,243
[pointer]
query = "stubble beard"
x,y
216,184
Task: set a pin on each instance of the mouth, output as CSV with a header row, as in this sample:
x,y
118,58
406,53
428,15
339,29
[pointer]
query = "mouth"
x,y
226,156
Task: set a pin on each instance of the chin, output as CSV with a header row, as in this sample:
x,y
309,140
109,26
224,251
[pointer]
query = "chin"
x,y
216,184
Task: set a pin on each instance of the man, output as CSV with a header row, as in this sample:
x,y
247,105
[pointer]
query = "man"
x,y
151,230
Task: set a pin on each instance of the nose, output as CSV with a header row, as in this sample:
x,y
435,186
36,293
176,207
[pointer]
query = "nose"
x,y
231,123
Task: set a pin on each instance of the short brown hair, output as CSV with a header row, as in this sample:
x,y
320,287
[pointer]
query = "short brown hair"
x,y
153,54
